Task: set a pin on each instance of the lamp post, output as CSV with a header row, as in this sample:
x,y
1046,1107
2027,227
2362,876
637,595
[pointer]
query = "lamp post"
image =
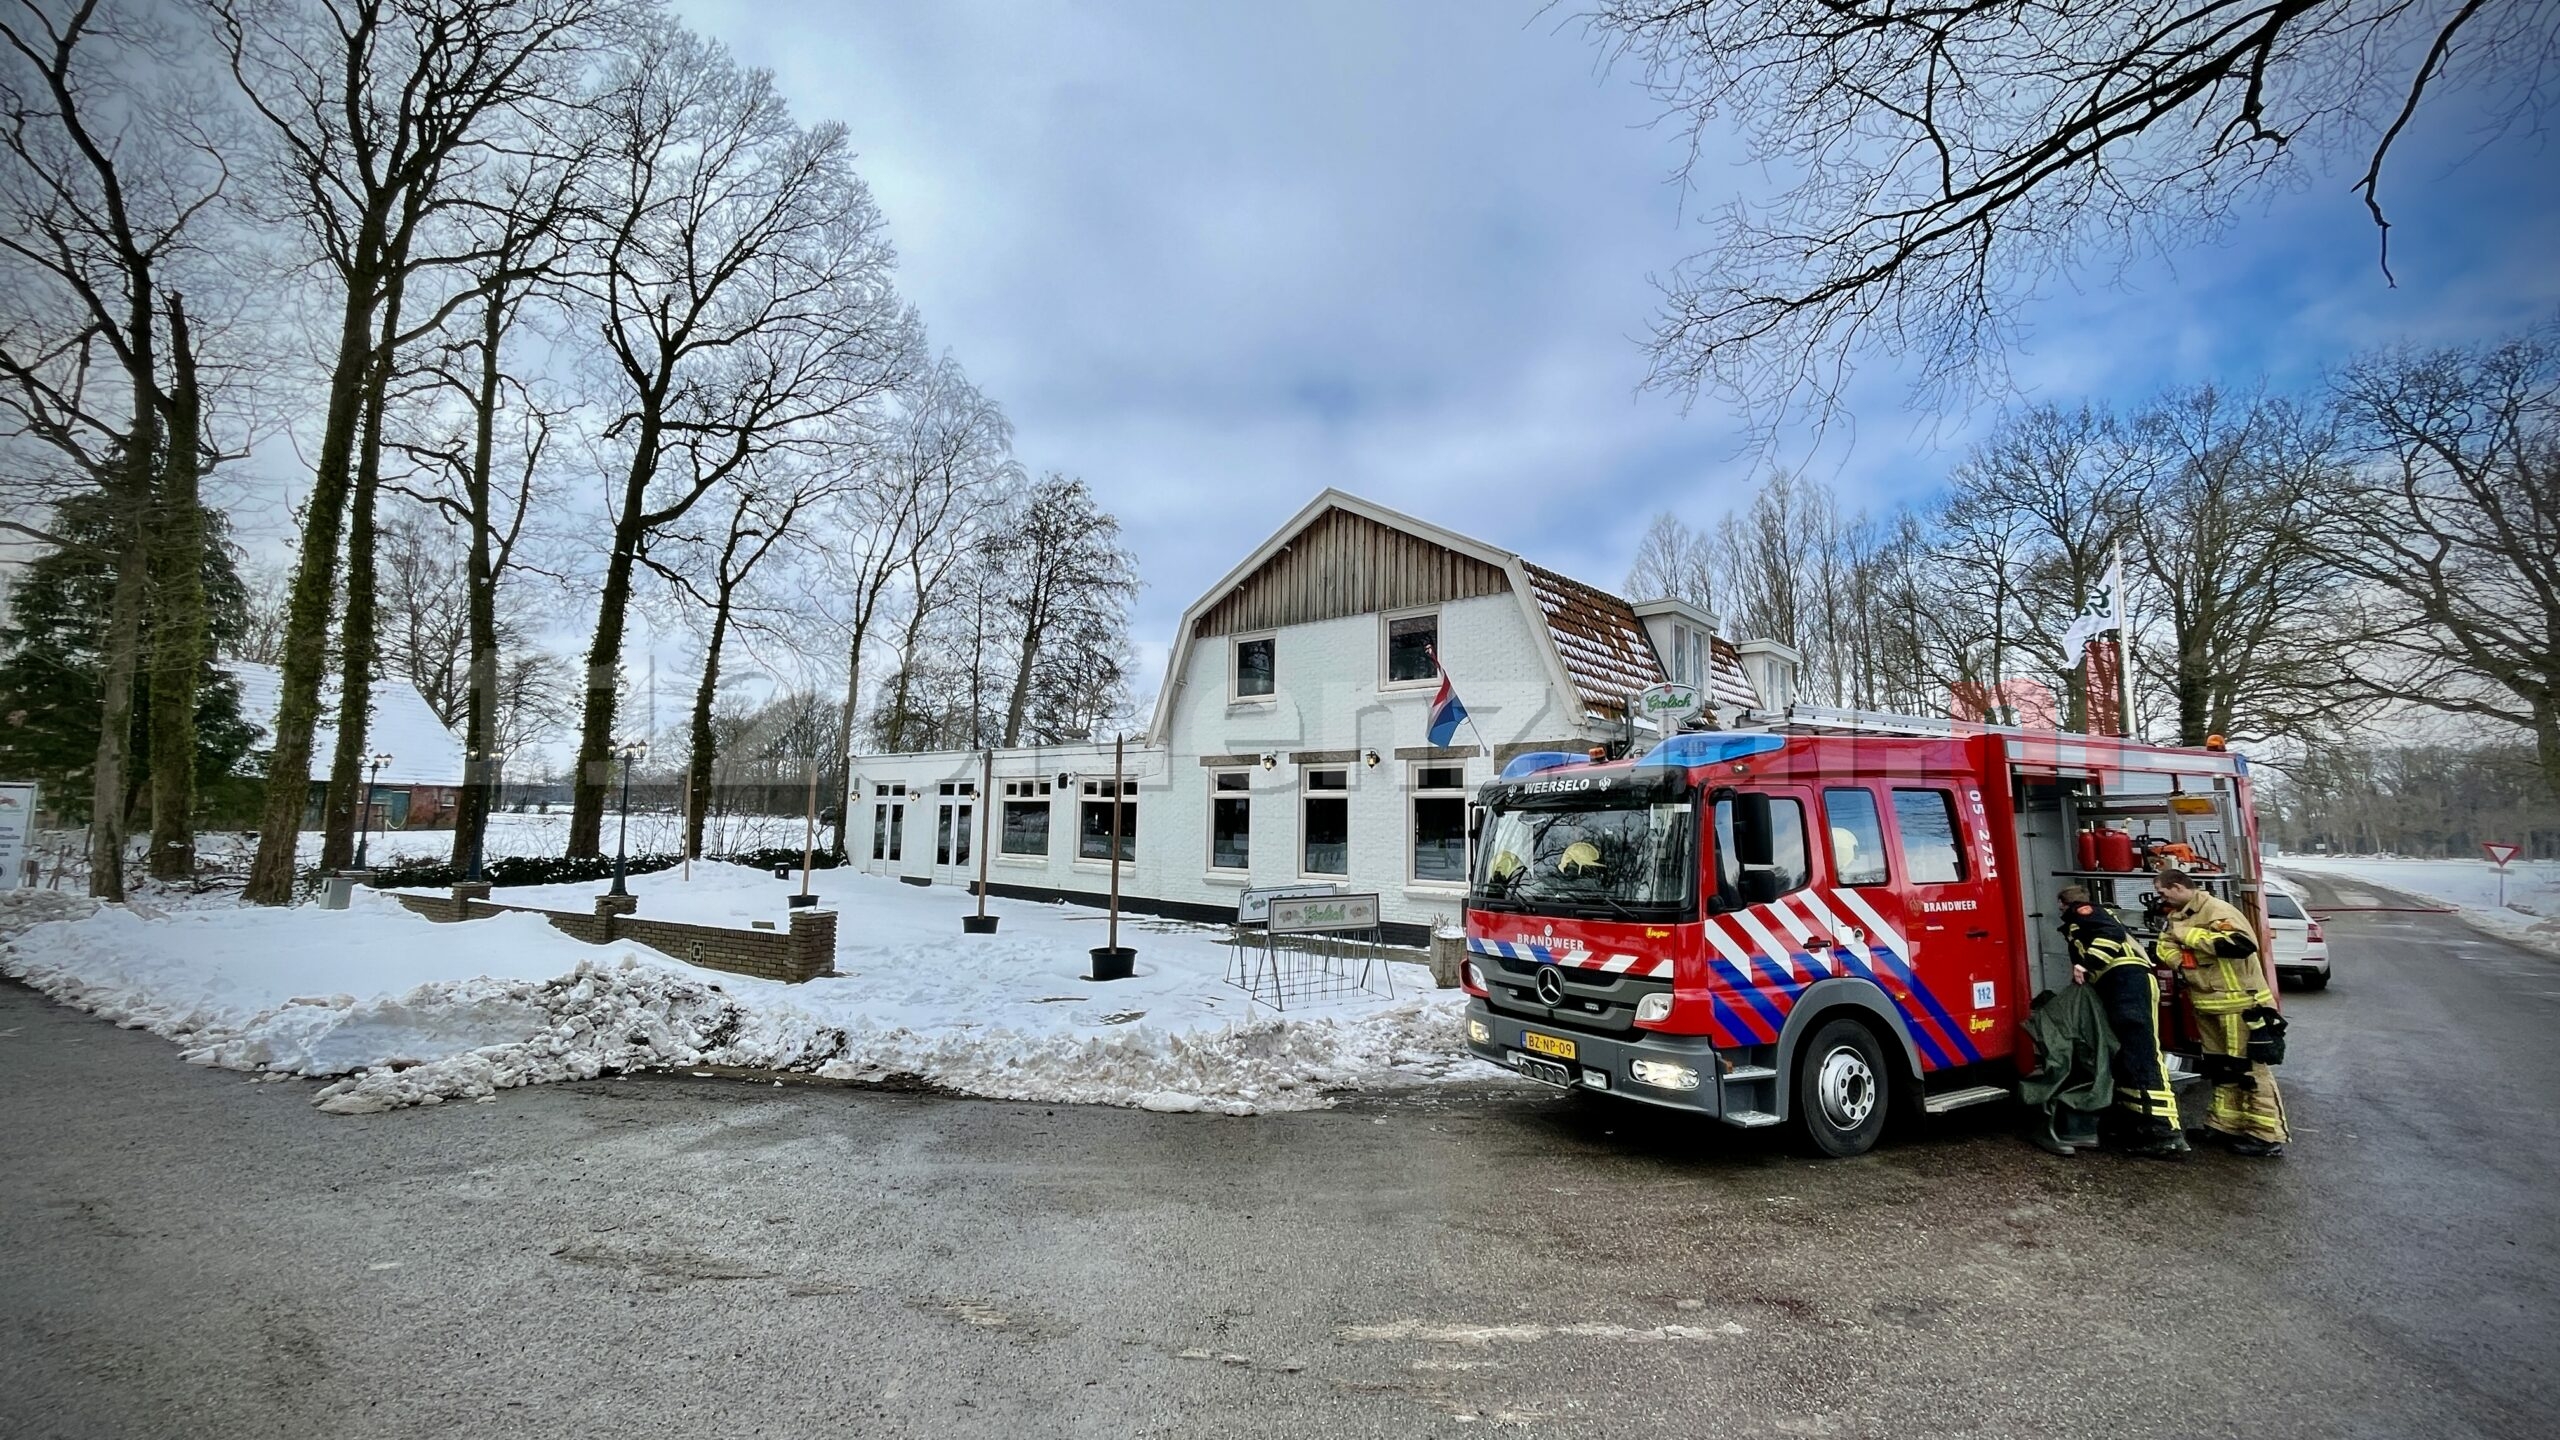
x,y
630,750
373,774
484,763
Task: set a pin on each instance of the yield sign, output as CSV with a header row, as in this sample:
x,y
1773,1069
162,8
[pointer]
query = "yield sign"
x,y
2500,852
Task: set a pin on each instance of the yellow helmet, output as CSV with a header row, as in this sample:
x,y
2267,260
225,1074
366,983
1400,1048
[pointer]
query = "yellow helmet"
x,y
1580,855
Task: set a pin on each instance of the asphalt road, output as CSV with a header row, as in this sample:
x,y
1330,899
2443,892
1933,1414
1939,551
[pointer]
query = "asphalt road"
x,y
186,1252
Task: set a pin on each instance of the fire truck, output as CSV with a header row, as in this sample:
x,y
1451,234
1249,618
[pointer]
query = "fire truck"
x,y
1821,917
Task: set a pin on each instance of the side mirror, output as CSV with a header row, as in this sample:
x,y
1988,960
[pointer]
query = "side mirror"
x,y
1754,838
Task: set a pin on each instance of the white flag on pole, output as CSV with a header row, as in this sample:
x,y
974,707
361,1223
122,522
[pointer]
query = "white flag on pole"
x,y
2104,612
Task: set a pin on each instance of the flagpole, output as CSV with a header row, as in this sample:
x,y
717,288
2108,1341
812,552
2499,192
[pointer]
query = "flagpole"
x,y
2124,653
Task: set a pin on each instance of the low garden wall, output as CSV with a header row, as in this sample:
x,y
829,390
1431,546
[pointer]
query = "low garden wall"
x,y
804,952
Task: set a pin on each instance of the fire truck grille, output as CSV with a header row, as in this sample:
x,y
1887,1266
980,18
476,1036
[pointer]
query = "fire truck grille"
x,y
1593,999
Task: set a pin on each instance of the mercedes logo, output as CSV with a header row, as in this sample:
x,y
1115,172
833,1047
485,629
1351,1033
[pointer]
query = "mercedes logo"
x,y
1551,985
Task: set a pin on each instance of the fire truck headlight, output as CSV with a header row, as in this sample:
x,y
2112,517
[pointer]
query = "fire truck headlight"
x,y
1473,976
1654,1007
1663,1075
1479,1032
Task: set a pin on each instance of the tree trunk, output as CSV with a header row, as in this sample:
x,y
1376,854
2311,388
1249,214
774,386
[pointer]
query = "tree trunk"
x,y
357,641
480,710
306,631
842,759
706,745
594,775
2546,740
1020,701
179,625
108,796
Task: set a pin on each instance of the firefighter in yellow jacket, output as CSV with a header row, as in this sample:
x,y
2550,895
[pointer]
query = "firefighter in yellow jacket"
x,y
2218,960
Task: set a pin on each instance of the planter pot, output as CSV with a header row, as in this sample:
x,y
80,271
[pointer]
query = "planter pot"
x,y
979,924
802,902
1113,964
1448,952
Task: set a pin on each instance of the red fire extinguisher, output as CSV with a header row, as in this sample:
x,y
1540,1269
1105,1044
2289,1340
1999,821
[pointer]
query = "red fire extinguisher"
x,y
2089,849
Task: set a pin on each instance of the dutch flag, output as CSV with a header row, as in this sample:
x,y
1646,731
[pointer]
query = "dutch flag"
x,y
1447,710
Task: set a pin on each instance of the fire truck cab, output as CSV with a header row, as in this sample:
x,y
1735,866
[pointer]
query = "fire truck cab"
x,y
1828,917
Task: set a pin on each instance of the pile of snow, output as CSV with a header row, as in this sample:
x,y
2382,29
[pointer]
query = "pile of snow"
x,y
401,1011
2530,916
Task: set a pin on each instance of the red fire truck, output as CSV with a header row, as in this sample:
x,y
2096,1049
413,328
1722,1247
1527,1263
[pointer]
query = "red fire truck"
x,y
1831,919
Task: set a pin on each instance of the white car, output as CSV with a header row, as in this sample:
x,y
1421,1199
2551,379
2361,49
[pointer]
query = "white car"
x,y
2301,950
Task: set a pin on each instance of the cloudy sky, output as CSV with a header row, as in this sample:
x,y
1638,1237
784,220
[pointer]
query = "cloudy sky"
x,y
1216,258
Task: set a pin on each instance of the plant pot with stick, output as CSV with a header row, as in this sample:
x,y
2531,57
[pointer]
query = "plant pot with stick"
x,y
983,923
1115,961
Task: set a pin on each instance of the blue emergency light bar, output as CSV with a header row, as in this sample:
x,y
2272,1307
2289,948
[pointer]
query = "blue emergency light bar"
x,y
1709,748
1537,760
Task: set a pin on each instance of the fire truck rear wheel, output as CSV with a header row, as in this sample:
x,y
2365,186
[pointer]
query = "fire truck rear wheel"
x,y
1842,1088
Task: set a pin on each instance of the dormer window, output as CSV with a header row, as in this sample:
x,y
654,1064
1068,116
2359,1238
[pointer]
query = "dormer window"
x,y
1256,671
1411,639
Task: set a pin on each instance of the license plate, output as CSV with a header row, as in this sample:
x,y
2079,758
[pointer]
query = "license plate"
x,y
1545,1072
1546,1045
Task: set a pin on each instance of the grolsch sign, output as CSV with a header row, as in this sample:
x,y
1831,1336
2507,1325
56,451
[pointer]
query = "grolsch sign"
x,y
1669,704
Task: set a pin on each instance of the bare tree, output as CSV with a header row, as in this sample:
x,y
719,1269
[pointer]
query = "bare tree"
x,y
2252,611
1064,581
1673,561
1945,159
2454,518
746,303
105,180
380,115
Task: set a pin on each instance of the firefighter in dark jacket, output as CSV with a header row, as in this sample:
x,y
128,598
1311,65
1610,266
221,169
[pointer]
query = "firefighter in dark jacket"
x,y
2222,967
2105,956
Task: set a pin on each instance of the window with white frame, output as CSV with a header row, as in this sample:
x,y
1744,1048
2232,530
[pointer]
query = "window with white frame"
x,y
1411,641
1255,675
888,822
1324,824
1025,818
1093,824
1438,811
1231,820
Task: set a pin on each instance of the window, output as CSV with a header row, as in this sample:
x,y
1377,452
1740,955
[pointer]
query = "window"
x,y
1410,641
1325,829
1440,824
1257,672
1680,655
1231,820
888,830
1093,827
1857,837
1927,820
1025,818
1603,863
2280,906
1741,882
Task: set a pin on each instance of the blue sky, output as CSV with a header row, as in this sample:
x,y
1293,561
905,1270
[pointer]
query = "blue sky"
x,y
1215,258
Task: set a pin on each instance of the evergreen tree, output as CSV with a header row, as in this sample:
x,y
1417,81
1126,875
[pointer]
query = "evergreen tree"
x,y
51,657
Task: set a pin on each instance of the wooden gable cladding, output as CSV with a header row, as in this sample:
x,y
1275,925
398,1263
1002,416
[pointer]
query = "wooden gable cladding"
x,y
1347,564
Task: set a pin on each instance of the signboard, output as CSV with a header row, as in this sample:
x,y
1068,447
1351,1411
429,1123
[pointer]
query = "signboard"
x,y
1254,906
1668,704
17,832
2500,852
1317,914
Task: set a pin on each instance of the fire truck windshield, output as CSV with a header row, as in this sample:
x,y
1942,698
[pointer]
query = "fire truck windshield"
x,y
1636,858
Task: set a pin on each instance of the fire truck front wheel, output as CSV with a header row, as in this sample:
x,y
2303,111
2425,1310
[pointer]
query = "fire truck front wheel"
x,y
1842,1088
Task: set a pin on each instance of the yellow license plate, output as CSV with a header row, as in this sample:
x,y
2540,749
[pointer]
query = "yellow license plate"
x,y
1531,1040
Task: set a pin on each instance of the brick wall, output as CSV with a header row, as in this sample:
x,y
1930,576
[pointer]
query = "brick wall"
x,y
804,952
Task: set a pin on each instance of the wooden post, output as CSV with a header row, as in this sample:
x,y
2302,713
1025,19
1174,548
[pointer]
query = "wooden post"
x,y
809,845
684,823
1118,745
986,822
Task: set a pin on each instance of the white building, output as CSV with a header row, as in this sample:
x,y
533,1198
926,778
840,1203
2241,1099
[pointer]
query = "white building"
x,y
1289,744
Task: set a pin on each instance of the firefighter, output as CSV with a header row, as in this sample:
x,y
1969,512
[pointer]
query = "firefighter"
x,y
2217,958
2105,956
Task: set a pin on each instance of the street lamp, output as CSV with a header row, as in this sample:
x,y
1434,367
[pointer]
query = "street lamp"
x,y
373,774
483,764
629,750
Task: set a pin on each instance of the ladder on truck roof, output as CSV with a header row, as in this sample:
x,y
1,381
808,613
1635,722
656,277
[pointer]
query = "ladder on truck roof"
x,y
1832,719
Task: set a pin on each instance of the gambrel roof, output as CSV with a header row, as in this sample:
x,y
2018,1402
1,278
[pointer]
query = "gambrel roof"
x,y
1343,555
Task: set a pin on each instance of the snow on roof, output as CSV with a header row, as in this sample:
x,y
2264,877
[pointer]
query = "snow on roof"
x,y
422,750
1602,642
1731,685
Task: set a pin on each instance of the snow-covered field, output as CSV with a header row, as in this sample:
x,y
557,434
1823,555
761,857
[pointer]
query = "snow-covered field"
x,y
410,1012
2532,912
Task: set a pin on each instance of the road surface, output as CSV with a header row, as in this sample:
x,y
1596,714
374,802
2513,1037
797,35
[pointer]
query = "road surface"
x,y
188,1252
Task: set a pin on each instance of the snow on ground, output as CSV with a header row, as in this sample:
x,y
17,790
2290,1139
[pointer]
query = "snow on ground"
x,y
2532,913
510,833
411,1012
